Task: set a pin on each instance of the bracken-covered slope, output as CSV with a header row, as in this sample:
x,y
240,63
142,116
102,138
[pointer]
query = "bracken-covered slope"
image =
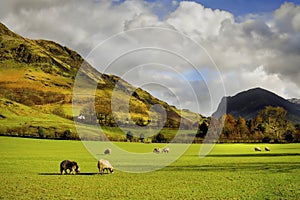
x,y
248,103
40,74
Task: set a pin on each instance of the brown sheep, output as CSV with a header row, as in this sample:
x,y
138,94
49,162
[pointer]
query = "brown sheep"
x,y
156,150
70,165
107,151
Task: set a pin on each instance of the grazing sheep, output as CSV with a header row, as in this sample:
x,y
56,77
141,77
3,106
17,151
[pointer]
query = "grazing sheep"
x,y
257,149
70,165
156,150
267,149
166,150
107,151
105,165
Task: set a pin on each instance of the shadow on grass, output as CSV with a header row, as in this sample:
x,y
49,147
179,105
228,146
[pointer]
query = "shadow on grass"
x,y
258,154
271,167
58,174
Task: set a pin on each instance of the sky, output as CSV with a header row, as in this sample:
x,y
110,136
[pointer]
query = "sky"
x,y
188,53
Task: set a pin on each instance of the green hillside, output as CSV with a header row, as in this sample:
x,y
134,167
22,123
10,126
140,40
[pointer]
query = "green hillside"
x,y
36,87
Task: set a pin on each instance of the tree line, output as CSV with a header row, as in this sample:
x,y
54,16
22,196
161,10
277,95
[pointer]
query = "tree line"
x,y
269,125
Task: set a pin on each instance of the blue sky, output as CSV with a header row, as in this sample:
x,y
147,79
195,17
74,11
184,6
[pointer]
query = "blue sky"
x,y
237,7
244,7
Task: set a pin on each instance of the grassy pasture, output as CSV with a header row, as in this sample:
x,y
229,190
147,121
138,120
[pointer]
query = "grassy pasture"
x,y
29,169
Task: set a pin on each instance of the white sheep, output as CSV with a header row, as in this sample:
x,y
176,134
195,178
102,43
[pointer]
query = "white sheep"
x,y
105,165
166,150
257,149
267,149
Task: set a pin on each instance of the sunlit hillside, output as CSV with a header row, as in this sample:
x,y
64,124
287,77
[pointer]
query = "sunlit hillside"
x,y
36,89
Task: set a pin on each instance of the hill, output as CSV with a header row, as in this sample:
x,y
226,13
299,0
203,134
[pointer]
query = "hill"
x,y
38,76
248,103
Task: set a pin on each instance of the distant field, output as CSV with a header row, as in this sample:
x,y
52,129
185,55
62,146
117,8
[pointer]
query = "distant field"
x,y
21,120
29,169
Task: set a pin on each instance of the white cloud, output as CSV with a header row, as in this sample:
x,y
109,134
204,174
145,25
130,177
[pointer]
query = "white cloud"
x,y
174,3
258,78
196,21
77,24
287,18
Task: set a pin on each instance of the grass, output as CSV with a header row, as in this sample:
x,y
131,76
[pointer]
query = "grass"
x,y
29,169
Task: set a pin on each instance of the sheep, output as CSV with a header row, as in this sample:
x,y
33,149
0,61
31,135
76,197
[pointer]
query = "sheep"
x,y
107,151
166,150
156,150
105,165
257,149
267,149
70,165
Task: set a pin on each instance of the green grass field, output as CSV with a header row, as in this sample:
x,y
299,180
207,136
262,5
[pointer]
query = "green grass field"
x,y
29,169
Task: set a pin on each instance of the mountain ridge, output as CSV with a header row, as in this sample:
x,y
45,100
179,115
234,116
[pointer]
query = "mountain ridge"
x,y
294,100
248,103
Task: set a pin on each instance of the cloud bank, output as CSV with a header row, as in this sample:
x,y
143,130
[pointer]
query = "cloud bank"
x,y
195,55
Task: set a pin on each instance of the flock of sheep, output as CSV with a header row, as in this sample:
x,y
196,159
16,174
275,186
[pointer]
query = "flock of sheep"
x,y
164,150
71,167
104,165
259,149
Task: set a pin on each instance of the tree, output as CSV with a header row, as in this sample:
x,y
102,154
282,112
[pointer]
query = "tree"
x,y
296,134
202,130
129,136
288,136
68,134
242,128
159,138
229,126
256,129
142,137
41,131
275,123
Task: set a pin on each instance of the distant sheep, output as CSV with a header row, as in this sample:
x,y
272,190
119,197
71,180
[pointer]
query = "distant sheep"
x,y
257,149
107,151
267,149
105,165
166,150
156,150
